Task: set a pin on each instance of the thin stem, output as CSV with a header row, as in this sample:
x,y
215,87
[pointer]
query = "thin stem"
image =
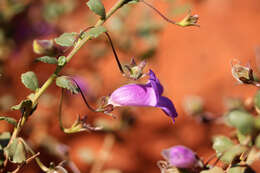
x,y
46,85
38,161
158,12
115,54
26,162
83,96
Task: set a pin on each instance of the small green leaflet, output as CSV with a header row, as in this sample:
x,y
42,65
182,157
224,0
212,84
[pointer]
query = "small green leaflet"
x,y
97,7
16,151
9,120
67,83
66,39
30,80
48,60
95,32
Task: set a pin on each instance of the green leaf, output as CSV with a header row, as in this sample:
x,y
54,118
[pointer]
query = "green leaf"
x,y
9,120
30,80
257,100
97,7
66,39
48,60
242,120
221,144
67,83
244,139
257,122
229,155
16,152
25,106
95,32
214,170
257,141
62,61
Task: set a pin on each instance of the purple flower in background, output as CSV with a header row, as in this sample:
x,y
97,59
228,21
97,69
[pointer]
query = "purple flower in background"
x,y
149,94
82,84
180,157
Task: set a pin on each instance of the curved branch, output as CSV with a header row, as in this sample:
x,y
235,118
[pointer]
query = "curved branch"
x,y
158,12
115,54
83,96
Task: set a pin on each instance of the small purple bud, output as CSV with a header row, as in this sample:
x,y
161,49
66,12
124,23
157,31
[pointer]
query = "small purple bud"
x,y
180,157
43,46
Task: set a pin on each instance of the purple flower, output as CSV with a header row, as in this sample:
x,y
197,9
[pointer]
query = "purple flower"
x,y
149,94
180,157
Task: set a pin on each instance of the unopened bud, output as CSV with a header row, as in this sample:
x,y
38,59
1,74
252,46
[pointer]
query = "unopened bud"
x,y
43,46
134,71
189,20
241,73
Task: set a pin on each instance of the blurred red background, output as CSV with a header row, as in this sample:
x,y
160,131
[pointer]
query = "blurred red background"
x,y
188,61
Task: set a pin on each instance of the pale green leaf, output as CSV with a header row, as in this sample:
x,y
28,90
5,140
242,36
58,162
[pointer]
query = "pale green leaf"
x,y
48,60
97,7
67,83
30,80
95,32
16,152
9,120
66,39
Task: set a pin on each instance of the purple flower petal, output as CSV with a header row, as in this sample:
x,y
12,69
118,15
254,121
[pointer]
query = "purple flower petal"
x,y
167,106
155,83
133,95
143,95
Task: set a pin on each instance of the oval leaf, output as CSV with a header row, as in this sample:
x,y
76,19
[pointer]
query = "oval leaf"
x,y
221,144
16,151
67,83
97,7
95,32
66,39
48,60
9,120
242,120
30,80
229,155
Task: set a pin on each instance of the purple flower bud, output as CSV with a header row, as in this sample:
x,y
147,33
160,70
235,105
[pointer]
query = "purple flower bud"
x,y
149,94
180,157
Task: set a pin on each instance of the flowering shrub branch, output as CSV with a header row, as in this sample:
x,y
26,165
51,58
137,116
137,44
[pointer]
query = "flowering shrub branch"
x,y
149,94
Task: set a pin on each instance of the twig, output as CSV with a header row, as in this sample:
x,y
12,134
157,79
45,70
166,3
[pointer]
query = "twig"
x,y
26,162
